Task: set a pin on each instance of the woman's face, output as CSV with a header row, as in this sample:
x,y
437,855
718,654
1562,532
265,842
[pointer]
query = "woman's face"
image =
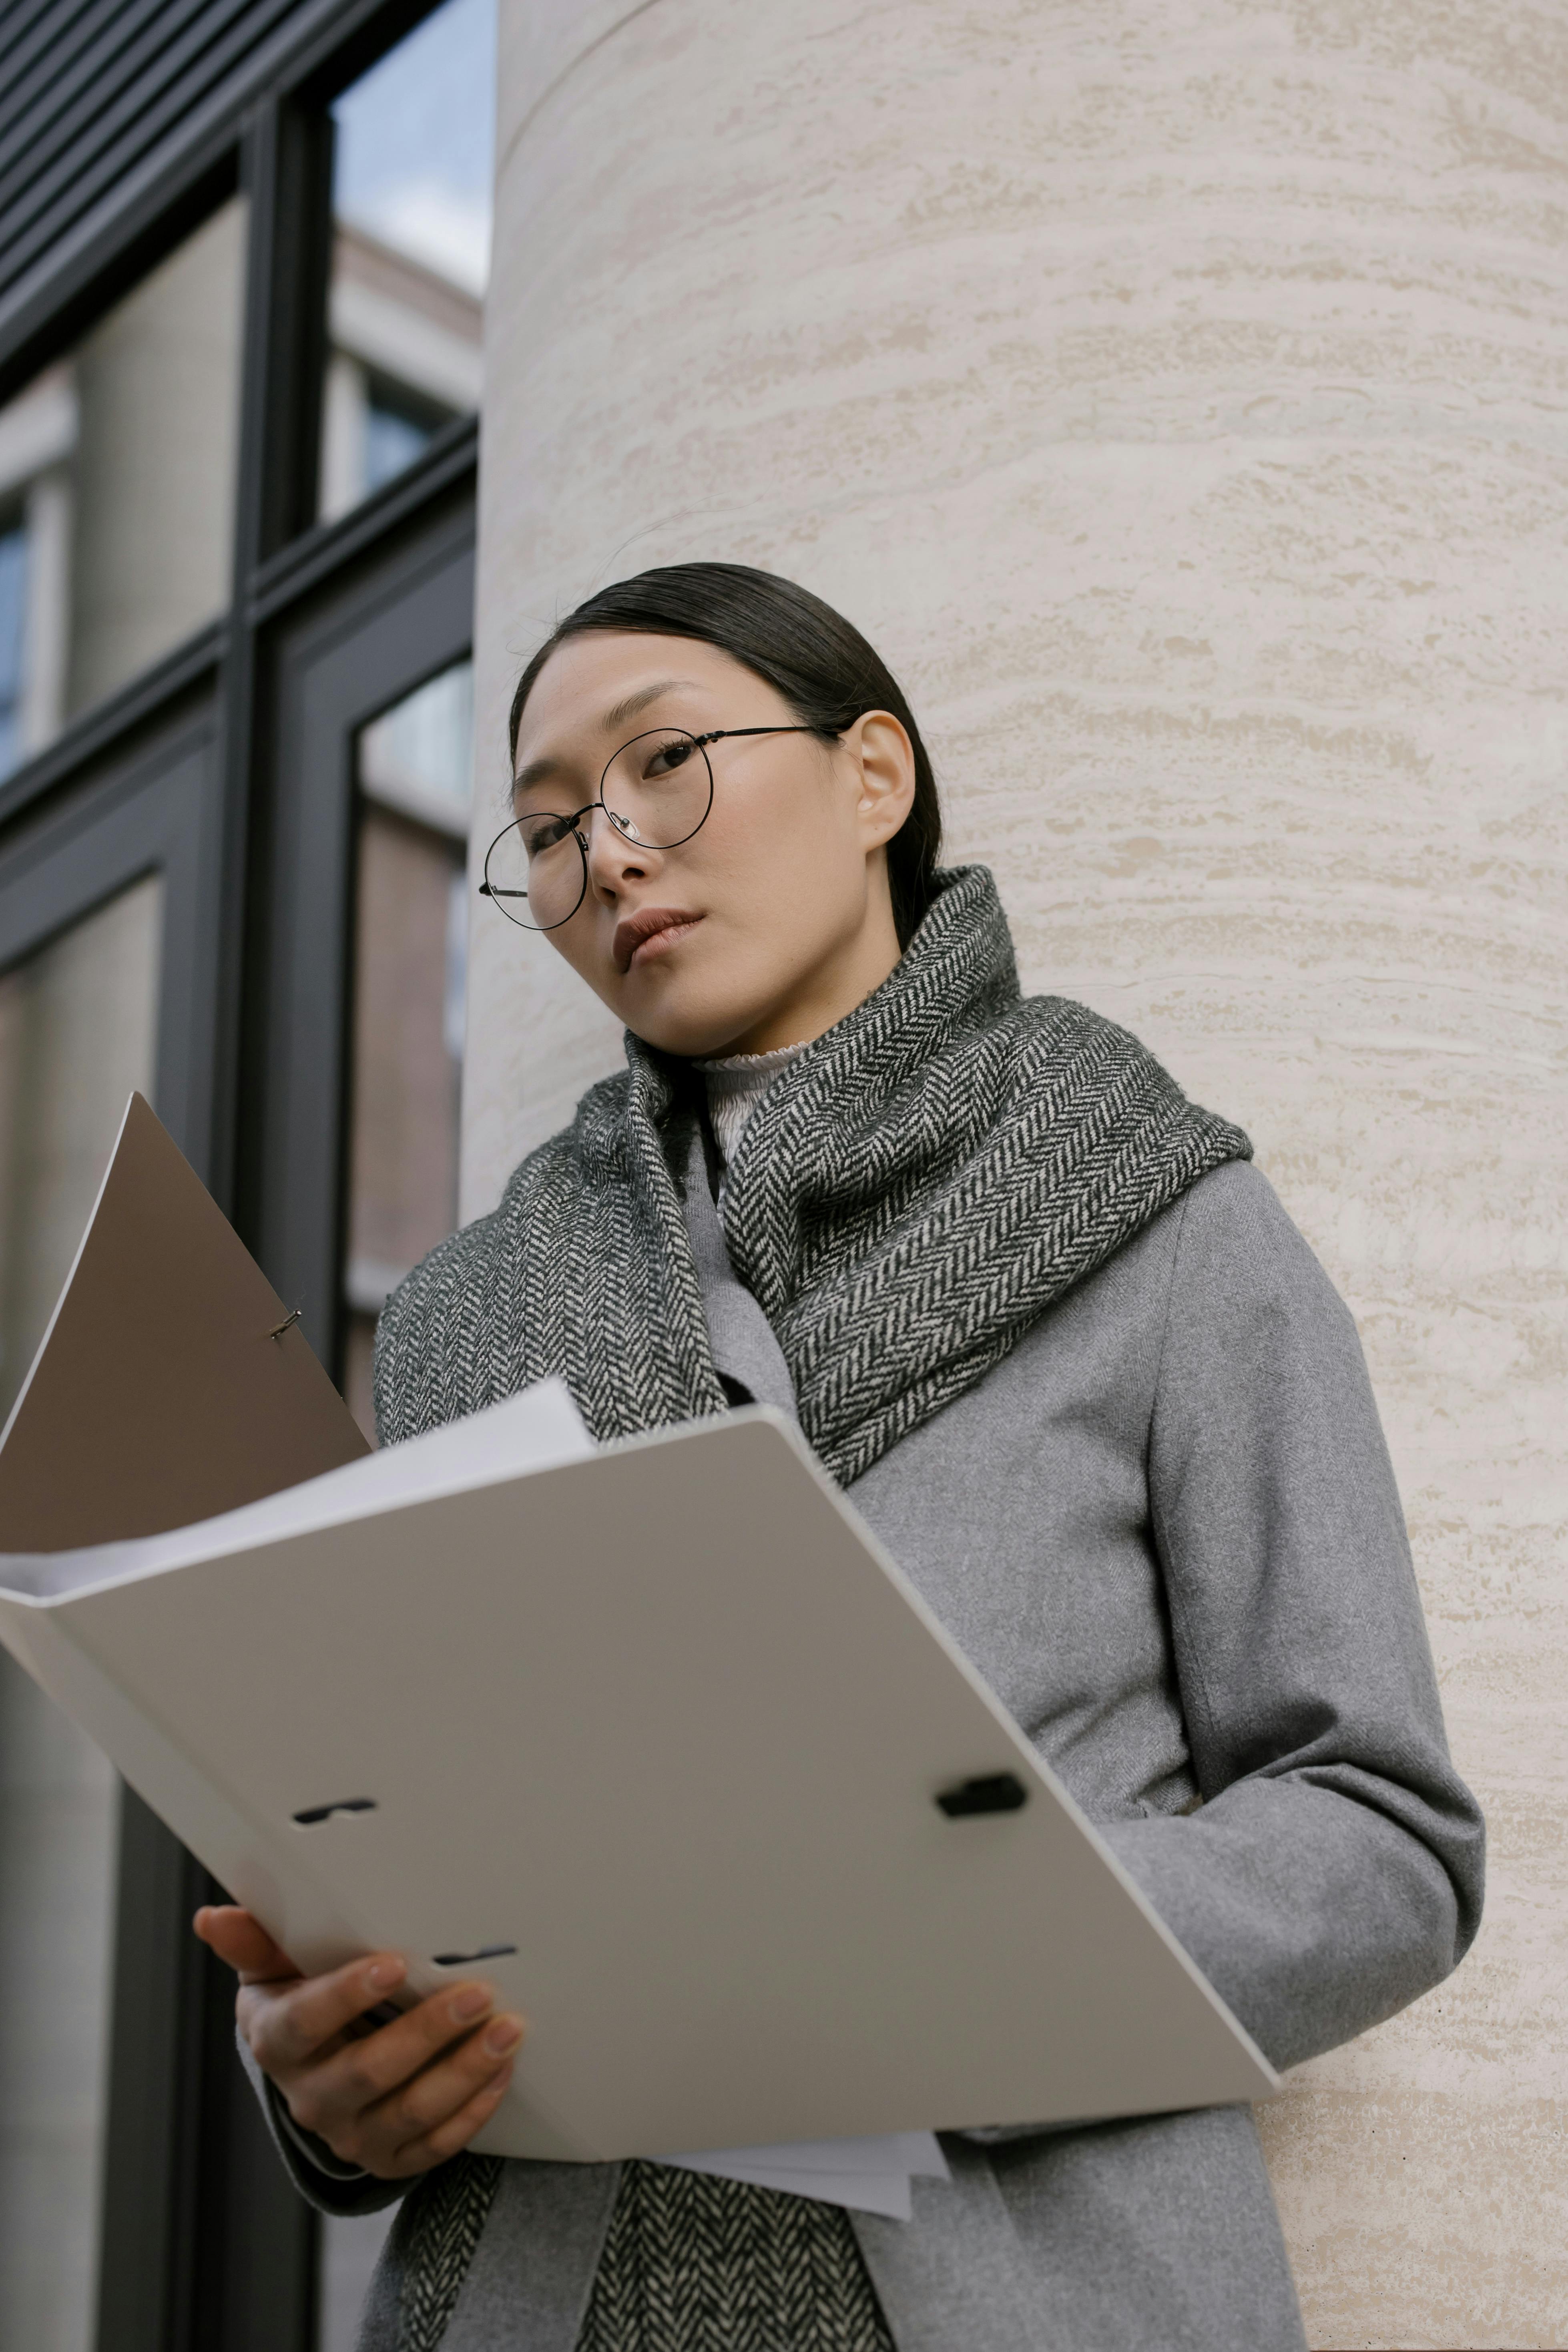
x,y
773,920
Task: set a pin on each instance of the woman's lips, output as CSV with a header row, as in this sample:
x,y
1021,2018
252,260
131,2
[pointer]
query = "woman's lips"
x,y
641,936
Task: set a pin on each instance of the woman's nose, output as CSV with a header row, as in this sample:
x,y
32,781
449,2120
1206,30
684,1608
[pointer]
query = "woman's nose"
x,y
615,856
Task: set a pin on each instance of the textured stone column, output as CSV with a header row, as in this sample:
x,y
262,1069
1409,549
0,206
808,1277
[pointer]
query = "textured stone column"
x,y
1176,395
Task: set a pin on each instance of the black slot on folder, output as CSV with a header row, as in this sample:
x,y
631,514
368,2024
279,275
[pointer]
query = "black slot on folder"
x,y
314,1813
993,1792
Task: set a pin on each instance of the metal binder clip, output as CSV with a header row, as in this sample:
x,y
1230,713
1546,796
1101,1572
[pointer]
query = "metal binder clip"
x,y
277,1330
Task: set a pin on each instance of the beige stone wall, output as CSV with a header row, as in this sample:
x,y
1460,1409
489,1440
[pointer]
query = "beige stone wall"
x,y
1177,393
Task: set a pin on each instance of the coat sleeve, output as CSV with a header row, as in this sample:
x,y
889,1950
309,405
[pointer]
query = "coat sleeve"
x,y
1334,1869
329,2184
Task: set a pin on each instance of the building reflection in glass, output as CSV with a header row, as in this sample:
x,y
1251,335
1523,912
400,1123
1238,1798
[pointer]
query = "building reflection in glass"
x,y
117,476
413,143
416,770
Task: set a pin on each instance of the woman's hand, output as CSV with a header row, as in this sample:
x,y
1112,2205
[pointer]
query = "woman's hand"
x,y
394,2099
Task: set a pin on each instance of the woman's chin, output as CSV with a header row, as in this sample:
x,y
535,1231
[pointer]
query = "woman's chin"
x,y
691,1041
677,1021
680,1009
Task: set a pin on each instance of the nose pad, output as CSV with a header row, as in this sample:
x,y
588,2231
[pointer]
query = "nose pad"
x,y
612,848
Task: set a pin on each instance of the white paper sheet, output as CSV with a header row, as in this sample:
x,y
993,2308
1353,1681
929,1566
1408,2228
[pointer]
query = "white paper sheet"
x,y
871,2175
534,1429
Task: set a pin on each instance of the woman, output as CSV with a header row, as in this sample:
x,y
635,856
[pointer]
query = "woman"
x,y
1078,1369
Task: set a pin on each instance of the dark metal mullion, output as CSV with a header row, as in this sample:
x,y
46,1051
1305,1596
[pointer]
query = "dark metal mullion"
x,y
285,175
313,559
253,2286
143,700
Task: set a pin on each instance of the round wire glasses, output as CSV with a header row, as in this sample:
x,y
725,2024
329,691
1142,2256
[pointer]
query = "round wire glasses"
x,y
656,792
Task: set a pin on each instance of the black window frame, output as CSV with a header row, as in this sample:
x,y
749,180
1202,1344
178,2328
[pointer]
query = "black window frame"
x,y
204,2242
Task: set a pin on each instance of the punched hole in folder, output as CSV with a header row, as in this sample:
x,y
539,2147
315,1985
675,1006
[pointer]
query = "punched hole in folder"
x,y
314,1813
465,1959
993,1792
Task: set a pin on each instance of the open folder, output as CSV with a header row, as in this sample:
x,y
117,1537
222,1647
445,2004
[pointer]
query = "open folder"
x,y
655,1734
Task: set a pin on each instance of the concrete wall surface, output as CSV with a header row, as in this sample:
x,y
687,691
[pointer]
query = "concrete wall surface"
x,y
1177,391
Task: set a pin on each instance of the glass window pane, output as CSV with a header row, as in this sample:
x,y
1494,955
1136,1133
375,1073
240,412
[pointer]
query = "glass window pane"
x,y
117,476
78,1026
13,639
413,142
419,758
410,972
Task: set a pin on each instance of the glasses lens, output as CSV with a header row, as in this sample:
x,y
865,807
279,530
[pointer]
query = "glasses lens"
x,y
658,788
534,872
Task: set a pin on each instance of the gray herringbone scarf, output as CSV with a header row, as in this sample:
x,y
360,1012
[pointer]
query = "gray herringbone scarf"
x,y
908,1196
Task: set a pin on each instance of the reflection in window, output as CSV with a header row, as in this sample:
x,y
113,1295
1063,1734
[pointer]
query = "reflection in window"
x,y
13,639
410,966
413,142
393,438
78,1023
117,473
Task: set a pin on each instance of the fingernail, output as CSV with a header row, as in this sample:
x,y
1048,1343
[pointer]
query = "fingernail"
x,y
382,1973
472,2002
504,2035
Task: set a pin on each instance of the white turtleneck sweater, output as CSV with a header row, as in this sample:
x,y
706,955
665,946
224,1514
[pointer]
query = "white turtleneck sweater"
x,y
735,1086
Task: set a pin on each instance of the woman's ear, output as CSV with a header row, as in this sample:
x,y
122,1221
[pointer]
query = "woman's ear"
x,y
880,746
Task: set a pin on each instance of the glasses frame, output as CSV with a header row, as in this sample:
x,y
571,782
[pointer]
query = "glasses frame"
x,y
714,735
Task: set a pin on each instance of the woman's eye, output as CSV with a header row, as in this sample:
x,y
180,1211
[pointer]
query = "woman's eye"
x,y
668,757
542,833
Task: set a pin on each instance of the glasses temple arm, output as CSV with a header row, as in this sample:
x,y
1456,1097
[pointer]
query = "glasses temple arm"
x,y
718,734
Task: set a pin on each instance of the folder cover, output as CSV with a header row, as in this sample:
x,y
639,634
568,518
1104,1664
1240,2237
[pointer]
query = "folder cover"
x,y
654,1736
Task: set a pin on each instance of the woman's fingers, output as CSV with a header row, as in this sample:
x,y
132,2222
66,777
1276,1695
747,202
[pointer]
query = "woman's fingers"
x,y
238,1937
411,2074
373,2067
287,2027
443,2139
370,2099
417,2104
395,2098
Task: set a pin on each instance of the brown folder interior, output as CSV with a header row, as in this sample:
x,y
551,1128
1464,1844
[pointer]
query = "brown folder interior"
x,y
160,1395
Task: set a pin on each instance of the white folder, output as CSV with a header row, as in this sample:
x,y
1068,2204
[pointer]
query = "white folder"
x,y
658,1738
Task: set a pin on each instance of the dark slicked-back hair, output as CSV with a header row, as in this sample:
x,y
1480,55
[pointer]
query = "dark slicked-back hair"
x,y
809,654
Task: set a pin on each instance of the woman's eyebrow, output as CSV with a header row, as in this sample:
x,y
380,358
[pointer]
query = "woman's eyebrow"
x,y
619,714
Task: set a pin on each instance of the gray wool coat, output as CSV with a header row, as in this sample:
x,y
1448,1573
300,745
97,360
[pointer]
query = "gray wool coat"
x,y
1166,1529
